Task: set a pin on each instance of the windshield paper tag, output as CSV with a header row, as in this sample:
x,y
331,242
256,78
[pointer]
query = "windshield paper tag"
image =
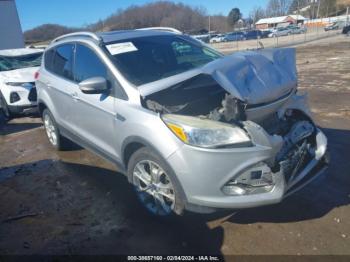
x,y
120,48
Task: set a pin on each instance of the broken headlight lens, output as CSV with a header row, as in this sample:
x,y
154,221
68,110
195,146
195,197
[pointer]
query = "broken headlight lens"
x,y
205,133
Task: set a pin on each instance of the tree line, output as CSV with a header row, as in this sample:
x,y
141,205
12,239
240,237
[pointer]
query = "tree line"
x,y
189,19
309,8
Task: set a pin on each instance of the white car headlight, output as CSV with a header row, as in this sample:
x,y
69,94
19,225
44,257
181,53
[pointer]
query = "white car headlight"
x,y
14,83
205,133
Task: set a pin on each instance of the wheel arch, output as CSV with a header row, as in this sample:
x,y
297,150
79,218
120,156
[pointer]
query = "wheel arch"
x,y
131,144
41,107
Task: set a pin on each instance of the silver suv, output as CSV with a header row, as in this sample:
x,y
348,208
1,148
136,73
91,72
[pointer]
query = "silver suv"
x,y
191,128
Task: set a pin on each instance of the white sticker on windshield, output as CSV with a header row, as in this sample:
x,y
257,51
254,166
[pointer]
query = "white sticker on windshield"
x,y
120,48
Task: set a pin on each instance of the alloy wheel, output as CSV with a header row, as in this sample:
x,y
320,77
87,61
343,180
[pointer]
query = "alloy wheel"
x,y
154,188
50,129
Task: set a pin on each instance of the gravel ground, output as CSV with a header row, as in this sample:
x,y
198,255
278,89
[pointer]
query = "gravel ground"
x,y
78,204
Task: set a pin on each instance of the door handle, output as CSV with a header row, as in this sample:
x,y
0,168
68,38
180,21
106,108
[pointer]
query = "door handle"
x,y
75,96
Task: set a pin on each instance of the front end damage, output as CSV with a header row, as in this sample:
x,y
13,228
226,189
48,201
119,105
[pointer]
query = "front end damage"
x,y
257,94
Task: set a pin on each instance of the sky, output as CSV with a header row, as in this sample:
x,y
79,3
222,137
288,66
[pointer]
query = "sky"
x,y
78,13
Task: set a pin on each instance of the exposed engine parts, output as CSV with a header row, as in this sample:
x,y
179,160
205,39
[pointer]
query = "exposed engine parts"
x,y
231,110
298,132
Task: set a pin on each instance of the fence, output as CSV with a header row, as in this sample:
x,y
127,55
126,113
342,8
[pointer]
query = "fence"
x,y
313,33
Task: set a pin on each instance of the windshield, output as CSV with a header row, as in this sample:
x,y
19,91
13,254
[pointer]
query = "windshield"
x,y
17,62
156,57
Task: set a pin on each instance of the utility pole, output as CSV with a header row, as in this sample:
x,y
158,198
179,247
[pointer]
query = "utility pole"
x,y
209,27
318,8
347,16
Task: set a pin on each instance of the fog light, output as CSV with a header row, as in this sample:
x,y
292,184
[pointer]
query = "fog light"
x,y
255,180
233,190
14,97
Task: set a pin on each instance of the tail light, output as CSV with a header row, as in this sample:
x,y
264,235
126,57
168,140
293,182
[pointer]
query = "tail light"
x,y
36,75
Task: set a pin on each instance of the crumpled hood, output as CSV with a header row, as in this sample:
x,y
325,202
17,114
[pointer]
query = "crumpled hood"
x,y
252,76
23,75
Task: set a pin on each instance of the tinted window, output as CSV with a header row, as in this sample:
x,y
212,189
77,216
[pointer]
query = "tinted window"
x,y
63,61
158,57
49,59
88,64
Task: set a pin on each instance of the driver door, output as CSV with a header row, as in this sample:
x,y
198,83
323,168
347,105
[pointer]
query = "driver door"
x,y
93,114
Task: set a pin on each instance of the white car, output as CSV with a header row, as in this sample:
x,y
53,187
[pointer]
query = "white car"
x,y
217,39
17,83
281,31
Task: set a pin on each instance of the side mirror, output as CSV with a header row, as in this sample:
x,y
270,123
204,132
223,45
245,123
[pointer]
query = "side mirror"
x,y
93,85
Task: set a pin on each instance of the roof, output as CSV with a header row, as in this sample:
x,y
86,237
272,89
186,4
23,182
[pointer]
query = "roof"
x,y
19,51
113,36
271,20
278,19
297,17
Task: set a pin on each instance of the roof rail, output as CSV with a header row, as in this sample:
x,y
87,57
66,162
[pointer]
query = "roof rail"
x,y
88,34
167,29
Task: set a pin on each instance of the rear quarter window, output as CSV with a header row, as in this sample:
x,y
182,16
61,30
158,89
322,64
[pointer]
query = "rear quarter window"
x,y
59,60
49,59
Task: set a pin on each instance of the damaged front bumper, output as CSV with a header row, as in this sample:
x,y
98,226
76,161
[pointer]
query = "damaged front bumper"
x,y
204,173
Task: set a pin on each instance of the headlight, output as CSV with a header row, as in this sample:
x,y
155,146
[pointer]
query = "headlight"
x,y
27,85
205,133
14,83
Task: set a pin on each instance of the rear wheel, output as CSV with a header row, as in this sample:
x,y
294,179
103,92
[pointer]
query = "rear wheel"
x,y
154,183
56,140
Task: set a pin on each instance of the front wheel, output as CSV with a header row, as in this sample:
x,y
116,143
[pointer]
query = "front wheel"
x,y
154,183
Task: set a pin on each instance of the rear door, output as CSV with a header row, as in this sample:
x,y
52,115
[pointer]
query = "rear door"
x,y
59,82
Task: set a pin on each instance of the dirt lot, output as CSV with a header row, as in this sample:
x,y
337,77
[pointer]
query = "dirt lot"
x,y
80,205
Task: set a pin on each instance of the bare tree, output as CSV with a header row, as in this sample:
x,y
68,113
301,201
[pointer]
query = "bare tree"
x,y
47,32
218,23
277,7
257,13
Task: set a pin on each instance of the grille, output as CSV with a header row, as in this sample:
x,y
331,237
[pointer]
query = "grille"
x,y
32,95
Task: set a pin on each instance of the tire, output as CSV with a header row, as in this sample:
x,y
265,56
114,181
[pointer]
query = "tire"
x,y
4,108
158,191
59,142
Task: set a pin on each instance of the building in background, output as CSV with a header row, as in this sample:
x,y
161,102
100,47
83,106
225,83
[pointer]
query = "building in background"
x,y
279,21
11,35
